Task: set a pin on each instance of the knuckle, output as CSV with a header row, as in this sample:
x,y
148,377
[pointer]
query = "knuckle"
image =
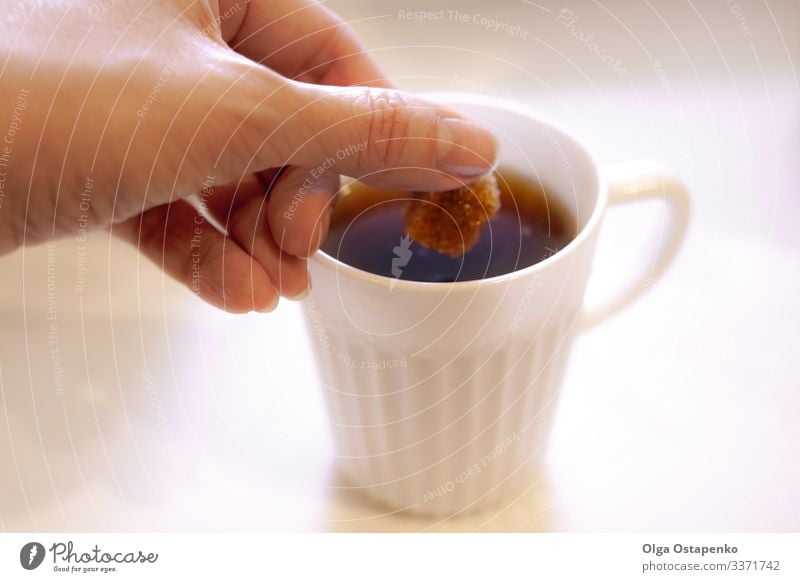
x,y
237,295
210,276
196,268
153,224
388,127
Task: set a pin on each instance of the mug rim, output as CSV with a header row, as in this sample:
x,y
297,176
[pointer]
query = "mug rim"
x,y
449,98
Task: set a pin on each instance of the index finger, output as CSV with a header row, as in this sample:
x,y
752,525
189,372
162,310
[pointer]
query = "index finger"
x,y
303,40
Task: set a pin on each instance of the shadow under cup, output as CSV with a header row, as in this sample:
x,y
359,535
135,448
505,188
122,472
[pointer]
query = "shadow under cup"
x,y
441,395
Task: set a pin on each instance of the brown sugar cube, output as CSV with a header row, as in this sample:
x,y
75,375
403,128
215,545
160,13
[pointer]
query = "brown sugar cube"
x,y
451,222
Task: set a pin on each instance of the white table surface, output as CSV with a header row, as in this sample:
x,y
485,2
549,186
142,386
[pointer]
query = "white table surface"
x,y
681,413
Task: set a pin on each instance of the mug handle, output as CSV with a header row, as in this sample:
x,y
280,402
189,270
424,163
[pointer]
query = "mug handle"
x,y
631,182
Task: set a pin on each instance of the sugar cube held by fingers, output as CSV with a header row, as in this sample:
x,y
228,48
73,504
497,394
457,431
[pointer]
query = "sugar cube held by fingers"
x,y
450,222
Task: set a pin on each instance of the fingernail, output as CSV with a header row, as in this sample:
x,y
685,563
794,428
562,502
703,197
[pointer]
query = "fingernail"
x,y
303,294
271,307
464,149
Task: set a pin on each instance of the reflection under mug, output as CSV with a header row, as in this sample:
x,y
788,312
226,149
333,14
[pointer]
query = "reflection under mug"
x,y
441,395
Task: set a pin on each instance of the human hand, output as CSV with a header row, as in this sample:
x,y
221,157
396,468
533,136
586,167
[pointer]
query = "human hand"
x,y
117,112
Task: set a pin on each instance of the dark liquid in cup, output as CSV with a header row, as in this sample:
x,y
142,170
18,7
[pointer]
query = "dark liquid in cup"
x,y
367,232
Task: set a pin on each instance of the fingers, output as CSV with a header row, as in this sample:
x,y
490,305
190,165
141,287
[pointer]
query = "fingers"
x,y
385,137
300,205
302,40
243,210
298,208
175,237
226,200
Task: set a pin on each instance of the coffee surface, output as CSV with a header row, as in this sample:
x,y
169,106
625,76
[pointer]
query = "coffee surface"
x,y
367,231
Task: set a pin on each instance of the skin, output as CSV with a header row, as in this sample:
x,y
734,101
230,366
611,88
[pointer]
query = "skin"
x,y
120,112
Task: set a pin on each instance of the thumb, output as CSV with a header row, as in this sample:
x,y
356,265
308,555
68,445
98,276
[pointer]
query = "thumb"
x,y
385,137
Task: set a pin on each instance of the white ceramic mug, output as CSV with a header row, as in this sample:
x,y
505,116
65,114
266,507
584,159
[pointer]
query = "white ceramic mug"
x,y
441,395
